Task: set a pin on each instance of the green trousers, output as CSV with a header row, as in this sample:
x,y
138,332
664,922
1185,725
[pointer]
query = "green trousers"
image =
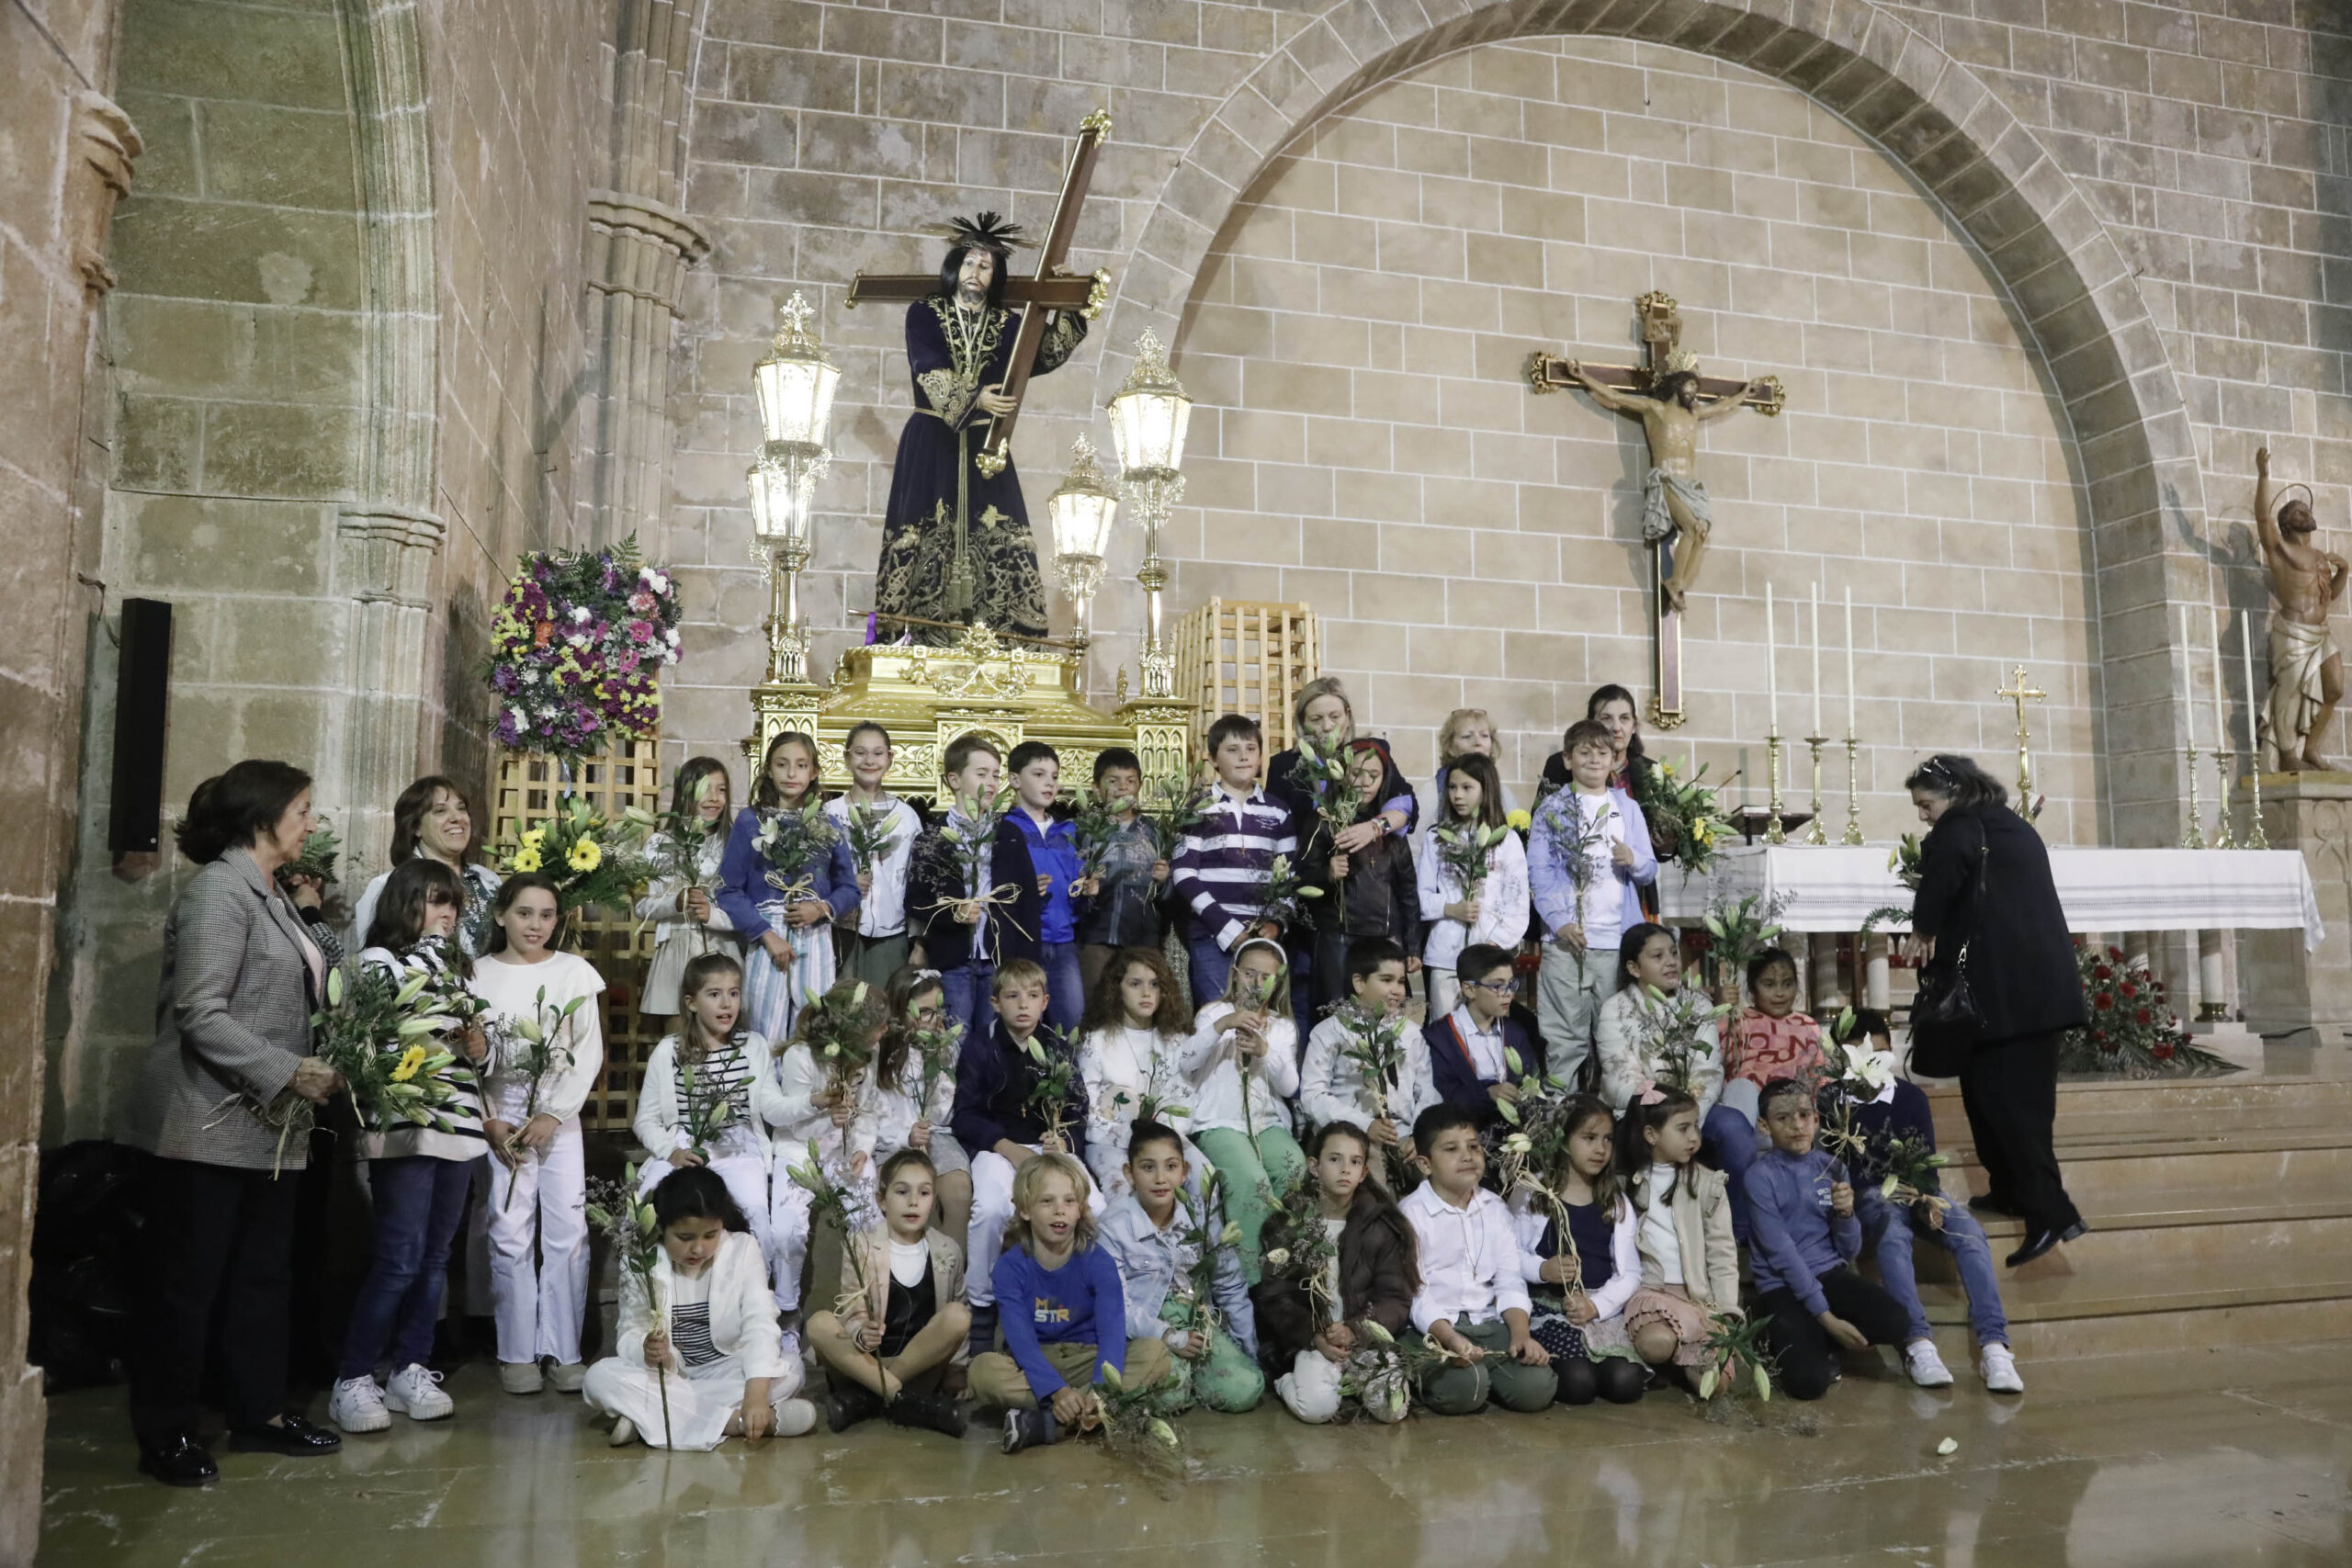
x,y
1226,1380
1253,1174
1457,1390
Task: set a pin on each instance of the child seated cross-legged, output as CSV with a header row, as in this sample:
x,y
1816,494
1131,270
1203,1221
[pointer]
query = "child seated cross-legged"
x,y
903,1320
1163,1238
1067,1317
1806,1238
1580,1280
1473,1301
1004,1117
1242,1062
714,1360
1336,1086
1894,1225
1682,1232
1305,1332
709,1063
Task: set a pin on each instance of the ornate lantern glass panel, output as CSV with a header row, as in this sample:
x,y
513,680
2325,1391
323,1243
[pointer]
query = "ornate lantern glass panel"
x,y
1149,414
795,382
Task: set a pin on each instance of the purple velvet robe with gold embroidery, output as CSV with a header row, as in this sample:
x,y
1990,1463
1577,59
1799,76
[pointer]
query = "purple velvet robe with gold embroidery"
x,y
955,543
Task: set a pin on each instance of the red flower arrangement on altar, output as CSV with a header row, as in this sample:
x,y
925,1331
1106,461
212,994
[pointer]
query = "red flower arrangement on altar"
x,y
2132,1033
577,648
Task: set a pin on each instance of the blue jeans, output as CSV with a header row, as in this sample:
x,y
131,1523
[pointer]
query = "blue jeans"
x,y
1065,987
1211,967
1727,1142
968,1001
419,1200
1895,1231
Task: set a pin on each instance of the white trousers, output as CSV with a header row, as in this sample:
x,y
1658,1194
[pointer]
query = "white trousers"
x,y
539,1304
1310,1390
991,1212
702,1399
788,1243
746,1176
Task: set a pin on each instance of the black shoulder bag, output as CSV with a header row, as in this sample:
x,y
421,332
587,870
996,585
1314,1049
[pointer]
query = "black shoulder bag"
x,y
1944,1021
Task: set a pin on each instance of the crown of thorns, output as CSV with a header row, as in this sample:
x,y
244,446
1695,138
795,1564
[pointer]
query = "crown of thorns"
x,y
987,231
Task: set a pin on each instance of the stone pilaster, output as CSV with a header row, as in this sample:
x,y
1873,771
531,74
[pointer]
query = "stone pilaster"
x,y
2286,989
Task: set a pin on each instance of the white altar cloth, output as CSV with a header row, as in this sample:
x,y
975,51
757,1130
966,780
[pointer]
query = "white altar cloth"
x,y
1834,888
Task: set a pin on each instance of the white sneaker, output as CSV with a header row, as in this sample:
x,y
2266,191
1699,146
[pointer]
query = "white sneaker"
x,y
2001,1370
416,1393
624,1432
357,1406
520,1377
1927,1368
796,1418
568,1377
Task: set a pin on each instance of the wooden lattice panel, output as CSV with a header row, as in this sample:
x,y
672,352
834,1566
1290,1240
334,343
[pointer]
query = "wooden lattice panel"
x,y
1250,659
529,788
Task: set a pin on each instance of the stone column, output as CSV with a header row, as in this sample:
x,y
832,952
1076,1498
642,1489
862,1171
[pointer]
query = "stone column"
x,y
2286,989
68,160
639,245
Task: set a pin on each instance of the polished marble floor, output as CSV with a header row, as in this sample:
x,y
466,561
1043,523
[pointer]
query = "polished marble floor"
x,y
2136,1462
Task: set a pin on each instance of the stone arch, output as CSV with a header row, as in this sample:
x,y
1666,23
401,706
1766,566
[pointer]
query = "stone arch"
x,y
2074,291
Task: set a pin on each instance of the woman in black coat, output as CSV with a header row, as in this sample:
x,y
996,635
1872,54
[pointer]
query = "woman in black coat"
x,y
1985,887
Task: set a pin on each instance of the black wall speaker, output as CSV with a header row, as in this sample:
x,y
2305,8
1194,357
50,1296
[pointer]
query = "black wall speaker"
x,y
142,699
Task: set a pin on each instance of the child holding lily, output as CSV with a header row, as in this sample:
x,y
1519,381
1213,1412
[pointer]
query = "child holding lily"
x,y
1472,1303
1312,1316
1179,1275
880,830
973,897
1367,1065
1130,902
1018,1096
689,847
809,1101
1369,891
1242,1065
1130,1055
417,1176
1656,1030
785,878
910,1093
901,1321
1472,875
1478,1053
543,1012
1588,857
712,1364
695,1106
1583,1261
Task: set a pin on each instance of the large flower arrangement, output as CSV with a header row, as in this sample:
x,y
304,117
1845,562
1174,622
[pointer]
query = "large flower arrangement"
x,y
1687,811
2133,1032
577,648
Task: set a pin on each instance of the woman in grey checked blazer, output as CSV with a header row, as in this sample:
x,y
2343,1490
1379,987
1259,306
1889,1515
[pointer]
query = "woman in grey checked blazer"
x,y
232,1032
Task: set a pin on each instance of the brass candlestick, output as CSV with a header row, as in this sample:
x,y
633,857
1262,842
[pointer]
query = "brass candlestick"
x,y
2223,837
1773,833
2193,836
1853,792
2255,839
1813,832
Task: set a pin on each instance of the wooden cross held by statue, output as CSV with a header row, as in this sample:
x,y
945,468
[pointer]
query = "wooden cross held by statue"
x,y
1675,505
1053,288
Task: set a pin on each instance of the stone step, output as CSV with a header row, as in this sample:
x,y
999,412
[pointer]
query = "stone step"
x,y
2234,1170
2235,1242
2103,1376
2248,1102
2134,1311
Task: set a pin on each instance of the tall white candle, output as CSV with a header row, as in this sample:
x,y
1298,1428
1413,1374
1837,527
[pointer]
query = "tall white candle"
x,y
2253,713
2221,708
1852,732
1771,666
1815,587
2188,646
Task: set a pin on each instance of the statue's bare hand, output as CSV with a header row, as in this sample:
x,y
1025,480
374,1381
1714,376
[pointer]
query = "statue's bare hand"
x,y
993,400
2261,461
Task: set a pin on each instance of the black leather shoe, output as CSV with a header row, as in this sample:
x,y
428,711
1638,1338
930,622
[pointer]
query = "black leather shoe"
x,y
849,1403
182,1461
926,1411
2041,1240
295,1436
1029,1429
1988,1204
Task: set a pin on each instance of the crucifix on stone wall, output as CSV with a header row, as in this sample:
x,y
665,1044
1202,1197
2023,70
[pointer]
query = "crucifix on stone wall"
x,y
1667,393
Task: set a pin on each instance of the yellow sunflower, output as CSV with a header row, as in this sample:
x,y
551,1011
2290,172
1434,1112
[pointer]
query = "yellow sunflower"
x,y
526,859
585,856
411,1060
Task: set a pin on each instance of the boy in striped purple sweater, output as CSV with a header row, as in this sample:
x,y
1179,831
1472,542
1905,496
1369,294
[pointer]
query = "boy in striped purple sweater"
x,y
1219,868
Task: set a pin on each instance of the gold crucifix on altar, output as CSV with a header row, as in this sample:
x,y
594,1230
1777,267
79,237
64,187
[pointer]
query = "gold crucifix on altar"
x,y
1667,393
2017,692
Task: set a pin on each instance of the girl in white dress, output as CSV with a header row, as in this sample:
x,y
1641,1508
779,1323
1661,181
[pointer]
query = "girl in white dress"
x,y
708,1063
688,920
